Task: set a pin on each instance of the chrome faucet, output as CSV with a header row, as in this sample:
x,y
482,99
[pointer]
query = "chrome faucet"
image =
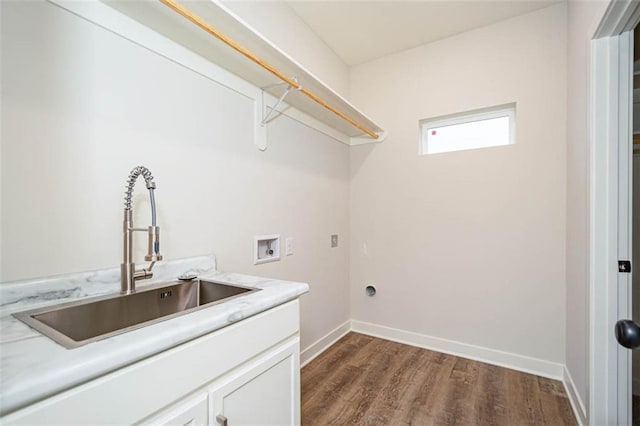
x,y
129,274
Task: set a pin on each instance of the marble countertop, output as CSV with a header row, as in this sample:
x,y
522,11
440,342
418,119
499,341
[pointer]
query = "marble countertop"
x,y
33,367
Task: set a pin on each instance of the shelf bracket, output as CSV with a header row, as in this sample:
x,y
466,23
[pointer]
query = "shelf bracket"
x,y
259,131
265,119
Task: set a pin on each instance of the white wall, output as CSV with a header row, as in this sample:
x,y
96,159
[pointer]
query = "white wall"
x,y
276,21
81,107
583,18
466,246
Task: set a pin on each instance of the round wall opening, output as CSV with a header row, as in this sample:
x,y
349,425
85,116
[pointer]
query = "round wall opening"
x,y
371,290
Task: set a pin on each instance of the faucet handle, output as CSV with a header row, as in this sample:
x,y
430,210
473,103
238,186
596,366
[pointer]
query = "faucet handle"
x,y
153,253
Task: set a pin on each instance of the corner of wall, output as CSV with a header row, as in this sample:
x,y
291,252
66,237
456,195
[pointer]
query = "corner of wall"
x,y
322,344
577,404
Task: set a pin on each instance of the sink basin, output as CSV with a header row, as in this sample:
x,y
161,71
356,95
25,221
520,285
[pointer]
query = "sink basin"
x,y
75,324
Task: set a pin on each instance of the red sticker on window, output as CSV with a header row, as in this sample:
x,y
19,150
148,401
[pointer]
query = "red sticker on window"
x,y
433,133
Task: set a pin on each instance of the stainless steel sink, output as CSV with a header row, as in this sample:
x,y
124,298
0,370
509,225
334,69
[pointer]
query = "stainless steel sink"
x,y
75,324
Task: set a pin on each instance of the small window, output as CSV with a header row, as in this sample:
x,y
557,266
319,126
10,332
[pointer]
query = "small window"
x,y
468,130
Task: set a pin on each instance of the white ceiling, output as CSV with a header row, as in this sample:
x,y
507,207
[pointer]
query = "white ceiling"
x,y
360,31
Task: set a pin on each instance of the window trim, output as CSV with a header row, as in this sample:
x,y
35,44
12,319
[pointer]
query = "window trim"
x,y
499,111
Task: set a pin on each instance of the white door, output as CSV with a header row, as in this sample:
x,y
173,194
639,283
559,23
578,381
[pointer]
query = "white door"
x,y
626,329
611,291
265,392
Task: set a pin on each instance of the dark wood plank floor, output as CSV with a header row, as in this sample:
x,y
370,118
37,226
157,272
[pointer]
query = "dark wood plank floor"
x,y
362,380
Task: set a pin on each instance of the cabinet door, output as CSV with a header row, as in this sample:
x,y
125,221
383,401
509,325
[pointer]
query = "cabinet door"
x,y
190,412
264,392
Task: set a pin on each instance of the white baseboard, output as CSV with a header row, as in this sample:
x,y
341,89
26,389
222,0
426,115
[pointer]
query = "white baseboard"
x,y
574,397
323,343
513,361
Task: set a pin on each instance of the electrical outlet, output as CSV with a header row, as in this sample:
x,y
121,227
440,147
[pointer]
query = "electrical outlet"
x,y
334,240
288,246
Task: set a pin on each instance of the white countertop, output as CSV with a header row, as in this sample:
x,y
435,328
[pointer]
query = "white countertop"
x,y
33,367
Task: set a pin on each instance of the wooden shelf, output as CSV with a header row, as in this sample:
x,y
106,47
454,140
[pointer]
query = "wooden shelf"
x,y
163,20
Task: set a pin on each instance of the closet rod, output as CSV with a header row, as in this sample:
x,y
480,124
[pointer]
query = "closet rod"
x,y
180,9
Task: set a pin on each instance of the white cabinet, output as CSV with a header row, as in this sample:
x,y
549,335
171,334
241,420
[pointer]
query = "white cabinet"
x,y
266,392
248,371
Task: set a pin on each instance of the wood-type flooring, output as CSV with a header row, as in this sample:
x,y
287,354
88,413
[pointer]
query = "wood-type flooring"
x,y
363,380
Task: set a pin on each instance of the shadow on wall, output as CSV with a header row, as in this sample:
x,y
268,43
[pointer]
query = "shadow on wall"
x,y
309,151
358,156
